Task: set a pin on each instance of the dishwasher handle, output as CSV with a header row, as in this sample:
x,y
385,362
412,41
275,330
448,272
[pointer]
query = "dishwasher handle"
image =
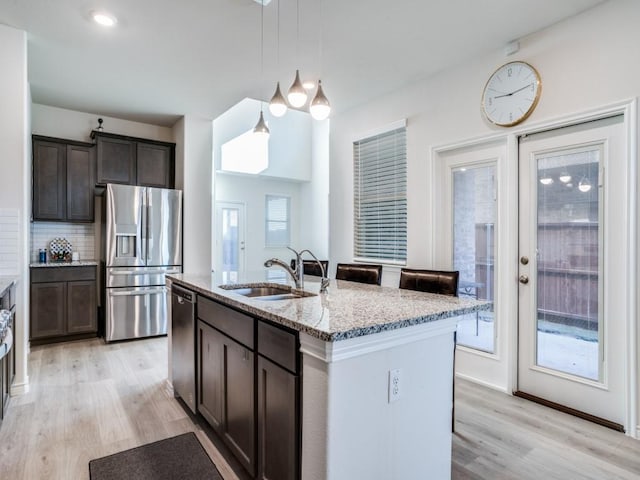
x,y
182,295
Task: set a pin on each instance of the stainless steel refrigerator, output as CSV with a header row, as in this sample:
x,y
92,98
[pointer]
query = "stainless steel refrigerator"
x,y
142,243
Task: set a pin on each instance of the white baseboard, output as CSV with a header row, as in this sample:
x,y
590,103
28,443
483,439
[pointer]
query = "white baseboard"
x,y
168,387
492,386
20,388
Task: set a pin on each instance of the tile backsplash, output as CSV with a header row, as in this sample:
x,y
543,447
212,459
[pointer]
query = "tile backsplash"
x,y
80,235
9,240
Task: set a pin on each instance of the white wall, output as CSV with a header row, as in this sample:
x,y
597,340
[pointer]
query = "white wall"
x,y
194,143
585,62
314,195
73,125
289,141
15,193
251,190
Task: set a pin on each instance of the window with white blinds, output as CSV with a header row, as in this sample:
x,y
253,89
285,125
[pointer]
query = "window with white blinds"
x,y
380,197
277,221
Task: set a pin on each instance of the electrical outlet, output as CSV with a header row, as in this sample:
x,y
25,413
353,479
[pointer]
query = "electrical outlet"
x,y
395,385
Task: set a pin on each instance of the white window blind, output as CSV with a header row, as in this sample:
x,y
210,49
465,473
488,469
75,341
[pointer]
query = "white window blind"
x,y
380,197
277,221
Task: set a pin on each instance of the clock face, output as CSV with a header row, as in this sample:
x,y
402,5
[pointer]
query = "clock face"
x,y
511,94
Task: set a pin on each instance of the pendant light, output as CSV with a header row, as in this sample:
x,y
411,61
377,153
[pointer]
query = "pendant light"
x,y
546,180
565,177
278,104
297,95
320,107
584,185
261,127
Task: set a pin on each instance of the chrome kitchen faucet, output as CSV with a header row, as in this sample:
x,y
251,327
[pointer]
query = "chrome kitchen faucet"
x,y
298,273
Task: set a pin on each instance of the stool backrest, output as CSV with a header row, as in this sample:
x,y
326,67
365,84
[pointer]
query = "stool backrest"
x,y
432,281
359,272
312,268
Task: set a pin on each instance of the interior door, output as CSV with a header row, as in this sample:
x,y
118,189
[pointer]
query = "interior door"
x,y
230,240
572,242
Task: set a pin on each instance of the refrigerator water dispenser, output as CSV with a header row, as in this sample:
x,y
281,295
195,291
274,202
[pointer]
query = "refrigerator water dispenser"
x,y
125,246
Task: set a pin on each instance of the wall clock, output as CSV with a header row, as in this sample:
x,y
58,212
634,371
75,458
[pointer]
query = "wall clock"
x,y
511,94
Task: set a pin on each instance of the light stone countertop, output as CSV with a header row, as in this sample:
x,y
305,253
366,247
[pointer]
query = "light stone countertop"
x,y
347,310
6,282
79,263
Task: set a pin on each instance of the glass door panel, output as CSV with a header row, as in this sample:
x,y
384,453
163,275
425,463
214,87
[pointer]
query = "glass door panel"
x,y
474,218
568,261
230,241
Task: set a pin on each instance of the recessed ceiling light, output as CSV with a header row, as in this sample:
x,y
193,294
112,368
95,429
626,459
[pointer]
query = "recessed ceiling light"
x,y
309,84
103,18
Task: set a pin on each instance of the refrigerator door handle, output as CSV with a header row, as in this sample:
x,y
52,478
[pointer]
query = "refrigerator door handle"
x,y
144,272
129,293
143,227
149,237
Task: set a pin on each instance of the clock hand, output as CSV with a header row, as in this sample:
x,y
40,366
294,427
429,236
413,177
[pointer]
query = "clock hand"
x,y
515,91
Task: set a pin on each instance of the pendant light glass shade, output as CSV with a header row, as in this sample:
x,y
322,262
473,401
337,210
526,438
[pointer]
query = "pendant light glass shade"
x,y
278,104
320,106
584,185
261,127
546,180
565,177
297,95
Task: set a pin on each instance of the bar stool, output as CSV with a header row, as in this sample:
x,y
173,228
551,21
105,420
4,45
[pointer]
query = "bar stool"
x,y
359,272
311,267
435,281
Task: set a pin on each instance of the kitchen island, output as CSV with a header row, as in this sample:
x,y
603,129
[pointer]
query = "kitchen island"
x,y
375,369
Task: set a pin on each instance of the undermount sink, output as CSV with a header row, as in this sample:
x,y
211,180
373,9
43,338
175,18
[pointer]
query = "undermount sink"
x,y
262,292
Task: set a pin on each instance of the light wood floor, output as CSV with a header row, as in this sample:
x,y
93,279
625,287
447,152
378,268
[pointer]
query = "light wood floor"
x,y
88,400
502,437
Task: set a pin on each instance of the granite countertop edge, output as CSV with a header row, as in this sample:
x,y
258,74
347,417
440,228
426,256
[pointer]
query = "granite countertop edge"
x,y
79,263
6,282
247,305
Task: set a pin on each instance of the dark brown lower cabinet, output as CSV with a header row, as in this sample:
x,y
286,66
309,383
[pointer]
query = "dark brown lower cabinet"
x,y
248,387
48,312
278,422
226,394
211,375
63,304
81,306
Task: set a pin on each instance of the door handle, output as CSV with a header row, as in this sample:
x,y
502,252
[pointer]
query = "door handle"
x,y
524,279
524,260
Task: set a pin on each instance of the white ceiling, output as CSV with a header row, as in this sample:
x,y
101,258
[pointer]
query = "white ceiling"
x,y
166,58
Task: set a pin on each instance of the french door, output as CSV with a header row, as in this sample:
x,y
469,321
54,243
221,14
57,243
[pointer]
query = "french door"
x,y
230,240
573,238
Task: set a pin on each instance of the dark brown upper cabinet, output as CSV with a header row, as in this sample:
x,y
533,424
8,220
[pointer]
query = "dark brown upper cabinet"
x,y
63,180
116,160
134,161
155,165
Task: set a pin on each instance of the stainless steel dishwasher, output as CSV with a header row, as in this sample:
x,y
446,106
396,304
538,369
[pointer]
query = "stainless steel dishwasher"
x,y
183,340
